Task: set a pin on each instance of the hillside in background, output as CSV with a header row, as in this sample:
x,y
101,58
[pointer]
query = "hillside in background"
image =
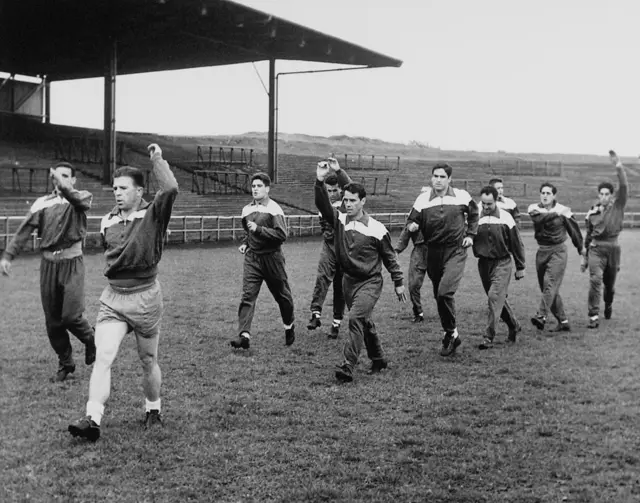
x,y
302,144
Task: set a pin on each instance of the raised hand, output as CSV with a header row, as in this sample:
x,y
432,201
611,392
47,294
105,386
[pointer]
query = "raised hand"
x,y
322,170
334,165
613,157
154,149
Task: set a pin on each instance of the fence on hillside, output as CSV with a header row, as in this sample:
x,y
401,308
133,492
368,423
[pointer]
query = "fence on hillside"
x,y
370,162
209,157
521,167
207,229
512,189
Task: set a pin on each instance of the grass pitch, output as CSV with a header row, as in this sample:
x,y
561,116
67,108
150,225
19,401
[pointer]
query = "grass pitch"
x,y
552,418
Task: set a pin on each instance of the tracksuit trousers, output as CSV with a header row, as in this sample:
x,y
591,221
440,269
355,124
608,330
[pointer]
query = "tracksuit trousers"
x,y
417,271
361,297
328,271
62,295
495,275
604,264
270,268
551,263
445,268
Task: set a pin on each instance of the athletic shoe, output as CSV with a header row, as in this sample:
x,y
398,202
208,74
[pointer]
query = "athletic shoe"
x,y
63,372
513,332
344,373
449,344
418,318
314,322
153,418
290,335
486,344
85,428
240,342
538,321
563,326
594,322
335,331
378,366
607,311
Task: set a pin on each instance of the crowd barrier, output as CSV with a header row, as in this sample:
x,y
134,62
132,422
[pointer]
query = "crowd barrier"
x,y
206,229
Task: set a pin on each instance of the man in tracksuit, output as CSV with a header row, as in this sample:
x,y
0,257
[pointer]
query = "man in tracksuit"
x,y
498,238
552,222
266,230
417,268
448,220
602,251
133,235
505,203
328,269
362,245
61,221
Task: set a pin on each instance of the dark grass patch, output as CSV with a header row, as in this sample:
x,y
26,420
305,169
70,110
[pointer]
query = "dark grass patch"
x,y
551,417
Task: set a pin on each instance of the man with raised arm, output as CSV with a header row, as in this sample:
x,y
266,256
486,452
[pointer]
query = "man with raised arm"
x,y
266,230
497,240
552,223
602,251
362,245
417,266
133,235
61,221
328,269
448,220
505,203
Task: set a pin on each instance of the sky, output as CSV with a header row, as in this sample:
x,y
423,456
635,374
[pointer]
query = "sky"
x,y
548,76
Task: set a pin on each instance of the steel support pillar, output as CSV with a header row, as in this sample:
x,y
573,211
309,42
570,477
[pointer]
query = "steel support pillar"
x,y
272,163
47,101
109,144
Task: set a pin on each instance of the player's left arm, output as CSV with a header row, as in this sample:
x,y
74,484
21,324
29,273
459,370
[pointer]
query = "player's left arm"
x,y
277,231
167,186
515,213
390,261
573,229
623,183
517,248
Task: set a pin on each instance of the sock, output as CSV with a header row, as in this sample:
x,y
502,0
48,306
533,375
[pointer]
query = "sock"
x,y
148,406
288,327
337,322
455,333
564,322
316,314
592,317
95,410
246,335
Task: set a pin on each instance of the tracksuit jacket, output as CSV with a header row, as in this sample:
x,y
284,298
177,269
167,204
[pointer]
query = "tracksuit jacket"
x,y
604,223
133,246
272,227
445,220
498,238
60,221
508,204
552,225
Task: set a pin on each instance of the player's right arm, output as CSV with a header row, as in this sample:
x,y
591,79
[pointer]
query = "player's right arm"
x,y
322,200
403,240
27,226
167,186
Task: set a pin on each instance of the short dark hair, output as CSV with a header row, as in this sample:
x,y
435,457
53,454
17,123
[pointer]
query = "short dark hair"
x,y
263,177
65,164
331,180
134,173
490,189
443,165
355,188
554,191
606,185
493,181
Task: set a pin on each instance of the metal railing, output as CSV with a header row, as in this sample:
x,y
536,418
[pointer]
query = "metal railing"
x,y
205,181
38,180
204,228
